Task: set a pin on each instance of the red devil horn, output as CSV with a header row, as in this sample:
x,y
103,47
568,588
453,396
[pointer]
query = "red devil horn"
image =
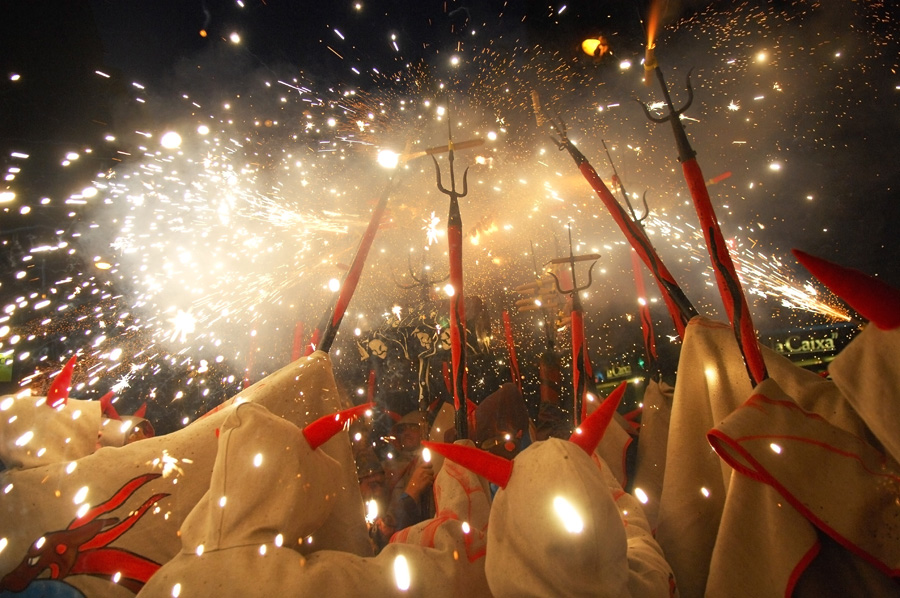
x,y
592,429
142,411
491,467
321,430
874,300
59,389
106,406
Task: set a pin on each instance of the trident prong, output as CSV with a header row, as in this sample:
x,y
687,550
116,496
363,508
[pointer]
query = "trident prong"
x,y
668,98
571,260
624,192
452,192
631,208
685,151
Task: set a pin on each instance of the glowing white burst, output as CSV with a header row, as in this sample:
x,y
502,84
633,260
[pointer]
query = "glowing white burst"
x,y
257,460
235,38
401,573
571,519
449,290
641,495
334,285
80,495
388,159
170,140
426,455
371,511
184,324
430,228
775,448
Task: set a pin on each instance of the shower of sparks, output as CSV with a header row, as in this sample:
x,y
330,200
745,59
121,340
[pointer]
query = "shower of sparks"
x,y
431,229
233,215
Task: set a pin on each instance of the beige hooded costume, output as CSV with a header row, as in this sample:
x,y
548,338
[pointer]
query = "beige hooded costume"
x,y
242,538
150,487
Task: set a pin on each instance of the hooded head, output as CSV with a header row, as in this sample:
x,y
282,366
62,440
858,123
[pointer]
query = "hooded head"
x,y
268,485
33,434
554,528
502,422
124,430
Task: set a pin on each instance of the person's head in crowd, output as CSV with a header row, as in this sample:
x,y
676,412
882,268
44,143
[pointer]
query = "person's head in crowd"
x,y
371,477
502,422
409,432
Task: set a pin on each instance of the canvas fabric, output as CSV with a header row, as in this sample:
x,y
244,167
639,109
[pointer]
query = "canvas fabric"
x,y
40,500
823,476
712,383
234,562
115,432
866,372
63,434
613,446
462,507
651,450
649,574
530,551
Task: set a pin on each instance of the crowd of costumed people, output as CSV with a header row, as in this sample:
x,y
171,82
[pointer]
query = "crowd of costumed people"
x,y
748,477
787,486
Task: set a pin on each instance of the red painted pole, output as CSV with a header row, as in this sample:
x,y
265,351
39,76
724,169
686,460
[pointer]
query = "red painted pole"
x,y
579,362
297,347
348,287
457,309
726,276
644,311
679,306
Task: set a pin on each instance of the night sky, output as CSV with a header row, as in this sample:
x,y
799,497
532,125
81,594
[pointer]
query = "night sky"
x,y
166,267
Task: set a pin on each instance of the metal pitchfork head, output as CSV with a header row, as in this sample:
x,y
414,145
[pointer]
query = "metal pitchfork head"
x,y
452,192
685,151
571,261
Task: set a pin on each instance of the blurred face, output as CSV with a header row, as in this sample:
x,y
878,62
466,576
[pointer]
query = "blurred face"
x,y
372,487
503,444
409,437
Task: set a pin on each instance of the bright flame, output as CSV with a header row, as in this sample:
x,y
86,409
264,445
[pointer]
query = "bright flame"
x,y
80,495
641,495
371,511
401,573
170,140
653,22
572,521
388,159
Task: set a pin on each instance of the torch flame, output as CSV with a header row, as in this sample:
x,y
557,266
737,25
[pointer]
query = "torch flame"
x,y
653,22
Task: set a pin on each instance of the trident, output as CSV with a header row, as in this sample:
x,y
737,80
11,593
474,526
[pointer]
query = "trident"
x,y
581,365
